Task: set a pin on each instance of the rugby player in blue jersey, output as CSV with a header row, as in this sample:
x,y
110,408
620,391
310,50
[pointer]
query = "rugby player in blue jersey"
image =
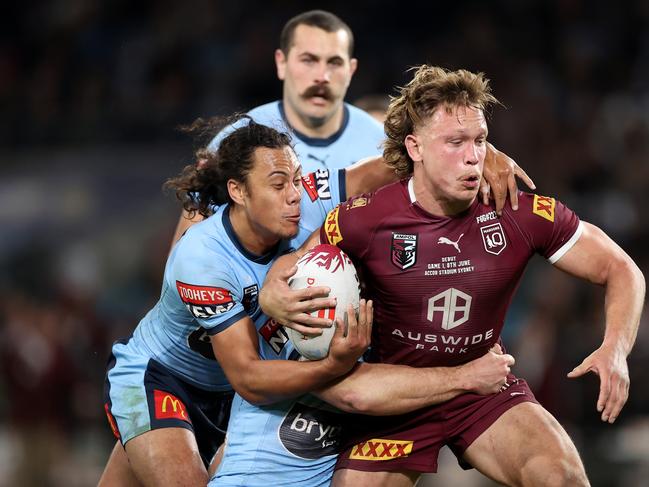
x,y
167,398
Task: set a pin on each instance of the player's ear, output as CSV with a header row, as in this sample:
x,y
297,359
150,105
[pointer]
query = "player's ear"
x,y
413,147
353,65
237,191
280,64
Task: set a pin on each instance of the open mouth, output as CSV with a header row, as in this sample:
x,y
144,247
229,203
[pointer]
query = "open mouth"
x,y
471,181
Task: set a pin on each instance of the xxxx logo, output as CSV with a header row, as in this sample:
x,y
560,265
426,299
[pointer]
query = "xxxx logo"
x,y
378,449
544,207
331,227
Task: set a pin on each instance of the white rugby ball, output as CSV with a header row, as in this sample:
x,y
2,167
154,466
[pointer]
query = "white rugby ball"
x,y
325,265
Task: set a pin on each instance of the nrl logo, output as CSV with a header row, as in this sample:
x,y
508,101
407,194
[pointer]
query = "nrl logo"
x,y
404,250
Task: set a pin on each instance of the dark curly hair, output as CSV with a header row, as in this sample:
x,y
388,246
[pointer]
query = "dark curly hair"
x,y
430,88
203,185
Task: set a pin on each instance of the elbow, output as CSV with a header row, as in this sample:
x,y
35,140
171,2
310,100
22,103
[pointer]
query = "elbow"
x,y
633,276
351,401
254,398
248,388
639,278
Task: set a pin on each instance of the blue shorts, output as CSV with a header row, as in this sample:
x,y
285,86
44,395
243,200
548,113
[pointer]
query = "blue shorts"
x,y
141,394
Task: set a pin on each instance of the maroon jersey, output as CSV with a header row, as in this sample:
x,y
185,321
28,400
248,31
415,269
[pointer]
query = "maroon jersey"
x,y
442,285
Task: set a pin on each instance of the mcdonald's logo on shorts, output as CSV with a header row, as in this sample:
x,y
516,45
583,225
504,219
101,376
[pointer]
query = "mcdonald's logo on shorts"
x,y
379,449
169,406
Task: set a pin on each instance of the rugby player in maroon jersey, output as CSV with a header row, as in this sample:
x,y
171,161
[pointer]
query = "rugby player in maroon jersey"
x,y
442,270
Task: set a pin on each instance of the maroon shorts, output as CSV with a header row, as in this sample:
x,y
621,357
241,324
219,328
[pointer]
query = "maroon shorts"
x,y
412,441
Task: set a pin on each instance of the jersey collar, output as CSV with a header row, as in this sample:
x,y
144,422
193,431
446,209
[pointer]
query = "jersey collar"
x,y
257,259
314,141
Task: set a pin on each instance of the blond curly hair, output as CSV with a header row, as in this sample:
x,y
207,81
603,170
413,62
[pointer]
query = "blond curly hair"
x,y
430,88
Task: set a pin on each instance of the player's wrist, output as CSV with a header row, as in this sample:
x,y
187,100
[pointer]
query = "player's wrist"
x,y
336,366
462,378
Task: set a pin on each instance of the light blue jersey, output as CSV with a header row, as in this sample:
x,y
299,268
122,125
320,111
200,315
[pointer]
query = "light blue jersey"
x,y
359,136
292,443
287,444
210,282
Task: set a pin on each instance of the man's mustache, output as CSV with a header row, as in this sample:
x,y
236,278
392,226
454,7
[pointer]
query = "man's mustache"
x,y
318,90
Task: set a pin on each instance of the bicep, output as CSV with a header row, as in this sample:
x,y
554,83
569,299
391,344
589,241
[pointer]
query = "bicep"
x,y
368,175
591,256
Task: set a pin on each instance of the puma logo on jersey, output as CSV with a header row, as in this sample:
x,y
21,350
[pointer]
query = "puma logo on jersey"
x,y
448,241
322,161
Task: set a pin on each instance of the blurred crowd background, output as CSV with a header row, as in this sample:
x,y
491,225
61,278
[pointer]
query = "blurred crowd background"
x,y
92,93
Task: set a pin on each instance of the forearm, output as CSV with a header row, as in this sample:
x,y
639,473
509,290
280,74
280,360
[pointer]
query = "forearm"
x,y
268,381
625,294
383,389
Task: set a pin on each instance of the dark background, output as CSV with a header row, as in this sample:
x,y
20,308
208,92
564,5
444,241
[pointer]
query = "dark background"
x,y
91,94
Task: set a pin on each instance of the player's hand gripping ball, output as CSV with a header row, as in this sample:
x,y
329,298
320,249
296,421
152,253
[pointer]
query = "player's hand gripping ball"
x,y
325,265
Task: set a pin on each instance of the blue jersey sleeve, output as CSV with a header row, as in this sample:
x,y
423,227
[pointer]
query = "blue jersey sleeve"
x,y
210,293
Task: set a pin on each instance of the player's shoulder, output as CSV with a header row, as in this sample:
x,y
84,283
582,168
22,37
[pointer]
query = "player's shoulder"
x,y
202,244
534,206
360,117
377,203
265,112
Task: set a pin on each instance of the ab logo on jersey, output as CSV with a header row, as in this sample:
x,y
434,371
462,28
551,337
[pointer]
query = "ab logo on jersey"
x,y
404,250
543,206
205,301
493,238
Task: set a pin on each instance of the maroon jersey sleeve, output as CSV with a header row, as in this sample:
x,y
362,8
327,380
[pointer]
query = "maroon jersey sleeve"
x,y
550,227
351,225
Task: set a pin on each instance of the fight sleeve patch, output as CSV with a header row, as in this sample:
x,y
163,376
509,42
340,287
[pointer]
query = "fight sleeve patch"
x,y
205,301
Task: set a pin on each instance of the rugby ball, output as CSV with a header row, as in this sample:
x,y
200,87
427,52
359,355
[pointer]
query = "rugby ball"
x,y
325,265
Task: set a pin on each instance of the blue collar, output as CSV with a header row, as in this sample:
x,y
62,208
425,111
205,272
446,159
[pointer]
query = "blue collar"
x,y
257,259
314,141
